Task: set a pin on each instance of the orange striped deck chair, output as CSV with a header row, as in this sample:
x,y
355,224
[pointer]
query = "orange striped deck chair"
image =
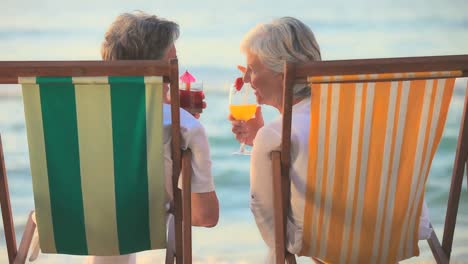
x,y
375,126
97,159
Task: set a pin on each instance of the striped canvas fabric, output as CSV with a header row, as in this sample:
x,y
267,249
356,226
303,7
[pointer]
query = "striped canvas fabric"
x,y
384,76
96,157
370,149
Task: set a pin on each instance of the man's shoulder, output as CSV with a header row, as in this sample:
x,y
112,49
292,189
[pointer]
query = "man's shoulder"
x,y
187,121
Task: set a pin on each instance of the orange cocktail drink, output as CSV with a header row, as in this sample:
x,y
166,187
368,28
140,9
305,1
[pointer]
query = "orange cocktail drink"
x,y
242,105
243,112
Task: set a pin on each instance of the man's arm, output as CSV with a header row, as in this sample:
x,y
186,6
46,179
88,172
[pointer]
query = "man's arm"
x,y
205,209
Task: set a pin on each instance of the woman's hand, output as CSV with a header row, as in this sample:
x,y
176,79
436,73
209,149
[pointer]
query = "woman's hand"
x,y
245,131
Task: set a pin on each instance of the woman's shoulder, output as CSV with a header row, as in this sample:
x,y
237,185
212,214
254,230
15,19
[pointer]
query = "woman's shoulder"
x,y
269,136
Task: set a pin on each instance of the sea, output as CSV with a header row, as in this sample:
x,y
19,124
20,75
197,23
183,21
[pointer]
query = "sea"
x,y
235,239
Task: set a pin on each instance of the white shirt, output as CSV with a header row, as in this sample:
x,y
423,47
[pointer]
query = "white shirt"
x,y
193,137
261,200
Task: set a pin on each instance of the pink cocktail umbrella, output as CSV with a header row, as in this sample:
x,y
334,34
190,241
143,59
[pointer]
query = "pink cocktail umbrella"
x,y
242,69
187,78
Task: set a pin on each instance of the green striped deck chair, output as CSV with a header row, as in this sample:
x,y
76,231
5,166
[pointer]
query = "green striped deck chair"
x,y
372,139
97,165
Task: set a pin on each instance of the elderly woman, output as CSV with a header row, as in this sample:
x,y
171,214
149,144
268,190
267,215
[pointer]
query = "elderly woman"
x,y
266,47
140,36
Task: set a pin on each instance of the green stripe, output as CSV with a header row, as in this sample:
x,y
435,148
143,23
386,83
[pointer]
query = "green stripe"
x,y
51,80
63,164
156,179
130,164
126,80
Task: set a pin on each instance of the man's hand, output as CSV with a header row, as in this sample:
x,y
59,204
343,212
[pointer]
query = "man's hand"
x,y
196,112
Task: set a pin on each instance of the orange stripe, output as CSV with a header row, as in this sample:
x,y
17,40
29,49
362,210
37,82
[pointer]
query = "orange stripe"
x,y
386,76
374,169
407,158
325,171
343,152
387,214
358,168
312,165
421,177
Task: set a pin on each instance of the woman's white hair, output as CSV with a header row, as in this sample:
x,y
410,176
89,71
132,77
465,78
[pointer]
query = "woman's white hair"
x,y
283,39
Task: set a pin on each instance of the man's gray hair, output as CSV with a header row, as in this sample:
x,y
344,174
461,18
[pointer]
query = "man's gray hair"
x,y
283,39
138,36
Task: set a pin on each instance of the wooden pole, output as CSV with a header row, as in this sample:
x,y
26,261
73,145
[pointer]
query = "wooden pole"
x,y
176,158
278,212
7,216
11,70
457,180
187,205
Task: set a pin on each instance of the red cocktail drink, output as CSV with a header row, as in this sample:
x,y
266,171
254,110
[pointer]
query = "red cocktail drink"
x,y
192,100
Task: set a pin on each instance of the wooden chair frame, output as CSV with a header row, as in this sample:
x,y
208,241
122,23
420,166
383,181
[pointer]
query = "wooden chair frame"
x,y
9,73
281,159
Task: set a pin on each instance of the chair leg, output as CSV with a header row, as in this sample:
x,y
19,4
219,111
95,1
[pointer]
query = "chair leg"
x,y
178,227
186,206
466,170
466,162
456,184
7,216
436,248
182,213
26,241
279,212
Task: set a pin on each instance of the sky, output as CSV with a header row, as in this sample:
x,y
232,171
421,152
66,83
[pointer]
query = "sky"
x,y
211,30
